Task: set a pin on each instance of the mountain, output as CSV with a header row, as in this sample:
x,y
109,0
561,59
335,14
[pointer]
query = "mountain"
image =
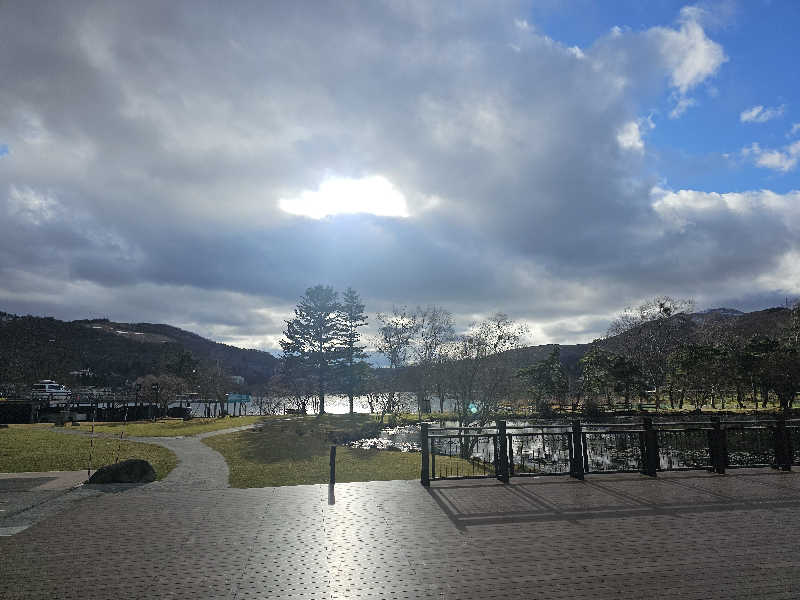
x,y
33,348
688,328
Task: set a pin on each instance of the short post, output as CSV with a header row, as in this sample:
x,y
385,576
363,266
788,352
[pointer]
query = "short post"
x,y
650,458
717,447
783,449
425,477
502,447
333,465
576,469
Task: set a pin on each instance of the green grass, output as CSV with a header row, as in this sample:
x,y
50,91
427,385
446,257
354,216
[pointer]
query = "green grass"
x,y
26,449
161,427
298,452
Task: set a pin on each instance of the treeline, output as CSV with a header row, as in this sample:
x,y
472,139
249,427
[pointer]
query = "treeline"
x,y
323,353
653,361
646,357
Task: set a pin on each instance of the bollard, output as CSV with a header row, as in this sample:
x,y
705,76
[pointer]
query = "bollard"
x,y
717,447
425,478
650,458
502,447
783,445
333,465
577,456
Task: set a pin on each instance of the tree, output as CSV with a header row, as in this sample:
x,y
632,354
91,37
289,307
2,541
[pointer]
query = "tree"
x,y
482,367
169,387
315,335
596,378
547,379
435,329
648,333
352,318
395,335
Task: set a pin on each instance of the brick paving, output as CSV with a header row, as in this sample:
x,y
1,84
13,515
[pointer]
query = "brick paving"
x,y
683,535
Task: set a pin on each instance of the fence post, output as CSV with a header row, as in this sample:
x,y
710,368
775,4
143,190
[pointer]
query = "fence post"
x,y
650,458
433,459
425,478
502,447
333,464
783,450
576,463
717,447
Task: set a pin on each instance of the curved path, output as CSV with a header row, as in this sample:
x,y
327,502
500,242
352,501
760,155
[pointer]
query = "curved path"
x,y
199,466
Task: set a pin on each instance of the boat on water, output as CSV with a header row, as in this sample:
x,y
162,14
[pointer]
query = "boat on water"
x,y
49,390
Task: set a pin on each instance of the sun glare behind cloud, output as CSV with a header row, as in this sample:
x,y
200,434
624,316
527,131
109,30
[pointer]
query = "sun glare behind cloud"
x,y
374,195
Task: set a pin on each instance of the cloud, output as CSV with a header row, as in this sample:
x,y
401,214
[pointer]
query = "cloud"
x,y
793,131
783,160
759,114
682,104
690,55
153,146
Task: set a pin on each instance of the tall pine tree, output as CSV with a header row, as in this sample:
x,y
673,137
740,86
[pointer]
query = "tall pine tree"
x,y
352,317
315,335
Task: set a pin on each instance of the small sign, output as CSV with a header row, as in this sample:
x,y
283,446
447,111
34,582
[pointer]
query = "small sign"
x,y
243,398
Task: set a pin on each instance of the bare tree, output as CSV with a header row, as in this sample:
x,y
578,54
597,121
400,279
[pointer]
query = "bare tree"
x,y
483,366
396,332
648,333
435,330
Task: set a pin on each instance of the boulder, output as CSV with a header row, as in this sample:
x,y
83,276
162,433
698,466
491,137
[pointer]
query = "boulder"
x,y
133,470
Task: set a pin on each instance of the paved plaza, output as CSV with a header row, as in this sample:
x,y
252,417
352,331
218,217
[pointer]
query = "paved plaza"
x,y
683,535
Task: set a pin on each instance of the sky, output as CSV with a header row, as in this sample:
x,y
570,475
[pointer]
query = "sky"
x,y
202,164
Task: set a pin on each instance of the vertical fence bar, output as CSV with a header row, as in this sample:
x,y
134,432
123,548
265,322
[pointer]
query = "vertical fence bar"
x,y
650,456
425,478
502,446
433,459
576,466
511,455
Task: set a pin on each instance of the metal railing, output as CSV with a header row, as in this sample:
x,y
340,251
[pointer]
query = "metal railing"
x,y
577,448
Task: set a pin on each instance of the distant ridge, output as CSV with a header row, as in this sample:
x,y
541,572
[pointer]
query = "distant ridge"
x,y
34,348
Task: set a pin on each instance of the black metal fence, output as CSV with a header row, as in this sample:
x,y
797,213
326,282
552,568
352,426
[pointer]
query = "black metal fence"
x,y
577,448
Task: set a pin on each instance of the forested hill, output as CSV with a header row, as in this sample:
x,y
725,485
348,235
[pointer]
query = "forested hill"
x,y
703,327
33,348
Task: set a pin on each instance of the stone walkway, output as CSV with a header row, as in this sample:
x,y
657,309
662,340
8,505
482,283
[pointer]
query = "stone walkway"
x,y
688,535
27,498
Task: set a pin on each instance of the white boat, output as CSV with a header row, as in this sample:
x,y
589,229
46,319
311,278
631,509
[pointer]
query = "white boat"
x,y
47,389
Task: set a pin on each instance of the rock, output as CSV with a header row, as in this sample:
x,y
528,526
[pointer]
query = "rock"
x,y
133,470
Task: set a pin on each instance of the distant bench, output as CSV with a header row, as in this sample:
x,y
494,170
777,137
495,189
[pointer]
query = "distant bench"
x,y
293,411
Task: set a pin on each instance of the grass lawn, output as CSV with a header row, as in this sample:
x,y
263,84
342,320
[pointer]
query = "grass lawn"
x,y
23,450
298,452
162,427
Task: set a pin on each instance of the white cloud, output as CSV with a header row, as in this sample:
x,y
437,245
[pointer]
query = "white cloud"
x,y
681,105
690,55
373,195
522,24
630,138
795,128
630,135
759,114
783,160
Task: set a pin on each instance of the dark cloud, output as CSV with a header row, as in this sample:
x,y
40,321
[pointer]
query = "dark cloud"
x,y
152,143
